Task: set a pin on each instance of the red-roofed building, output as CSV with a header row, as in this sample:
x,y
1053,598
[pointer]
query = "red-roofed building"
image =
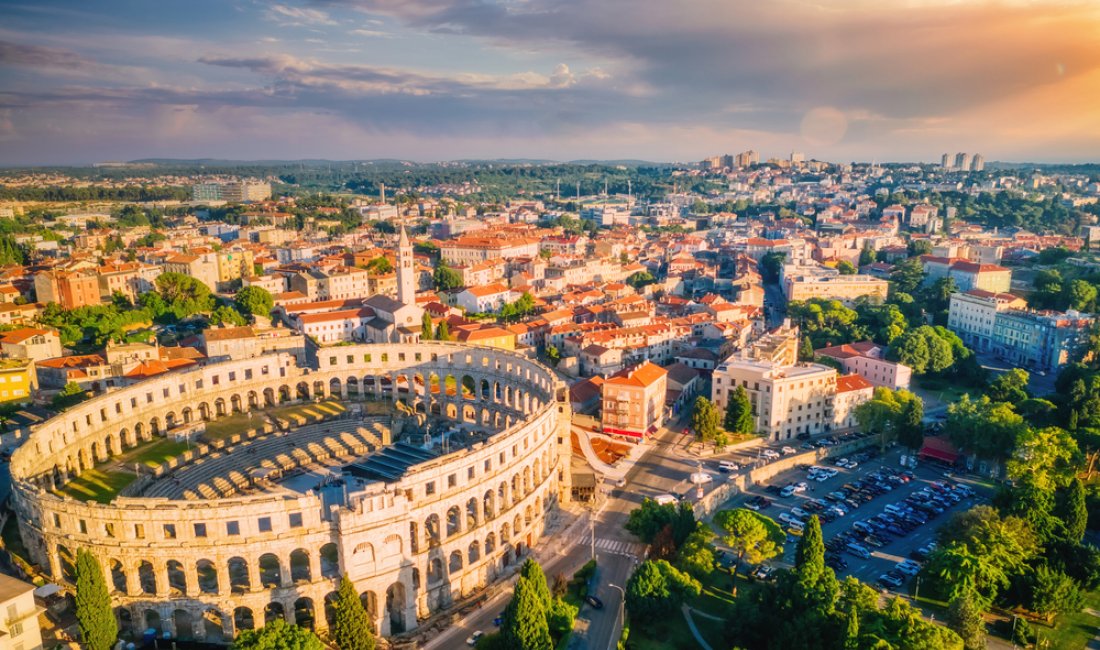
x,y
869,360
851,391
967,275
634,401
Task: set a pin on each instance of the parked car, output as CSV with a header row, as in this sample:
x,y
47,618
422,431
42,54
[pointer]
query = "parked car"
x,y
787,450
473,638
908,567
890,581
770,454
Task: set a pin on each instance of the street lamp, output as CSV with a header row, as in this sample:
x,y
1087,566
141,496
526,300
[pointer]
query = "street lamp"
x,y
622,600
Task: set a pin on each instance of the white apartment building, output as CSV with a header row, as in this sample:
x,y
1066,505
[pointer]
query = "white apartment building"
x,y
19,629
868,359
806,282
972,315
787,400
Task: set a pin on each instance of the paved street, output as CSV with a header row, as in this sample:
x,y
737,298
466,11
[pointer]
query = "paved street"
x,y
662,470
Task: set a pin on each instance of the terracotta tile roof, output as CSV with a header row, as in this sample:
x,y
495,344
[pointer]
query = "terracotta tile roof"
x,y
643,375
848,383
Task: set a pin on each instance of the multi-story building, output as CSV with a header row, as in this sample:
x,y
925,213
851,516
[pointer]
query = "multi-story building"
x,y
851,391
869,360
470,250
1041,341
131,279
971,315
30,343
234,263
202,266
799,285
332,283
70,289
19,628
788,400
232,192
17,380
634,401
483,299
967,275
223,343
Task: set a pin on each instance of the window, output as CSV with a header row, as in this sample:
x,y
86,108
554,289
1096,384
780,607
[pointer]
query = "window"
x,y
233,528
366,358
15,629
148,398
13,611
169,531
83,527
295,520
139,531
400,356
248,373
56,520
488,465
216,379
198,384
332,361
350,359
265,524
470,473
109,530
452,481
200,530
429,488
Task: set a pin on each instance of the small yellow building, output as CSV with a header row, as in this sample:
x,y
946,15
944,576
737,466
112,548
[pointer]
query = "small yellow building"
x,y
17,380
492,336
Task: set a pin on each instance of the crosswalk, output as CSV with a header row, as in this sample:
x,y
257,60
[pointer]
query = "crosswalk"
x,y
619,547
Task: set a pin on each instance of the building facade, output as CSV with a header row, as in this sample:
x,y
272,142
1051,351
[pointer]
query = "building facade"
x,y
634,401
788,400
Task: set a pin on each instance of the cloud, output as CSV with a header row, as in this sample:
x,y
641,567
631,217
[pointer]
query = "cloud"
x,y
18,54
298,16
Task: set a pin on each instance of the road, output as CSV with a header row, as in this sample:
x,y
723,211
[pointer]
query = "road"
x,y
661,470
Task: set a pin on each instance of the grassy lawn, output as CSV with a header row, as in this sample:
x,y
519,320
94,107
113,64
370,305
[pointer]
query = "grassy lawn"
x,y
1072,631
673,633
296,414
152,453
97,485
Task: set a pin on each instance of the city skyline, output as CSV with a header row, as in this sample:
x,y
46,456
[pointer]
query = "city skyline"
x,y
438,80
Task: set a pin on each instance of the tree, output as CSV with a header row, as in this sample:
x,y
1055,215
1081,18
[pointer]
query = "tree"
x,y
908,275
380,265
923,350
882,322
911,424
641,279
443,332
183,295
656,587
964,616
806,349
739,412
254,300
351,627
867,256
986,428
650,518
705,419
532,571
228,316
846,268
809,557
752,536
696,554
95,618
1053,593
278,635
524,625
1071,510
1079,295
1009,387
446,279
770,266
427,328
70,395
553,355
1048,457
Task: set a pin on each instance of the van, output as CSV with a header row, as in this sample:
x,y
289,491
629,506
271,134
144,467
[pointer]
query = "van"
x,y
728,466
787,491
797,526
664,499
858,551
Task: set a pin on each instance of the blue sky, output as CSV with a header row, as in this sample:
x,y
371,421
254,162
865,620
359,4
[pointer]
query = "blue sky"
x,y
442,79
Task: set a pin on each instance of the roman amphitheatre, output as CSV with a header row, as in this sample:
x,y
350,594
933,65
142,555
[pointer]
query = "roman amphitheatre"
x,y
225,497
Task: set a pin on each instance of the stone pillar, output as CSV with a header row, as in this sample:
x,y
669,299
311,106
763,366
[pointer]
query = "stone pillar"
x,y
160,570
285,579
224,586
254,582
55,565
133,578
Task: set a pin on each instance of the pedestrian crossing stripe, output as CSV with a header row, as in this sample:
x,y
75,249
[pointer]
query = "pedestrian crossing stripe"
x,y
619,546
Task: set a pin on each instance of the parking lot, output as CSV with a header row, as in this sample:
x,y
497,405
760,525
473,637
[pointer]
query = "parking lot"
x,y
863,492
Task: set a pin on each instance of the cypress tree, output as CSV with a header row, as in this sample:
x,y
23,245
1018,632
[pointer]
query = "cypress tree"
x,y
532,571
443,333
806,350
739,412
351,628
1072,510
809,559
98,628
426,328
524,626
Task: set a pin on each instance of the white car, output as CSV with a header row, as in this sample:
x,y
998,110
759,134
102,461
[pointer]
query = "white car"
x,y
770,454
473,638
800,486
843,462
908,567
787,450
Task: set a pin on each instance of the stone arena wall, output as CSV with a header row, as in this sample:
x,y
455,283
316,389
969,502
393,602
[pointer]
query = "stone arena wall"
x,y
205,569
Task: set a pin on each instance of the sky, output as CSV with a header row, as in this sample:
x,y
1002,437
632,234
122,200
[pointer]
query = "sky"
x,y
662,80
